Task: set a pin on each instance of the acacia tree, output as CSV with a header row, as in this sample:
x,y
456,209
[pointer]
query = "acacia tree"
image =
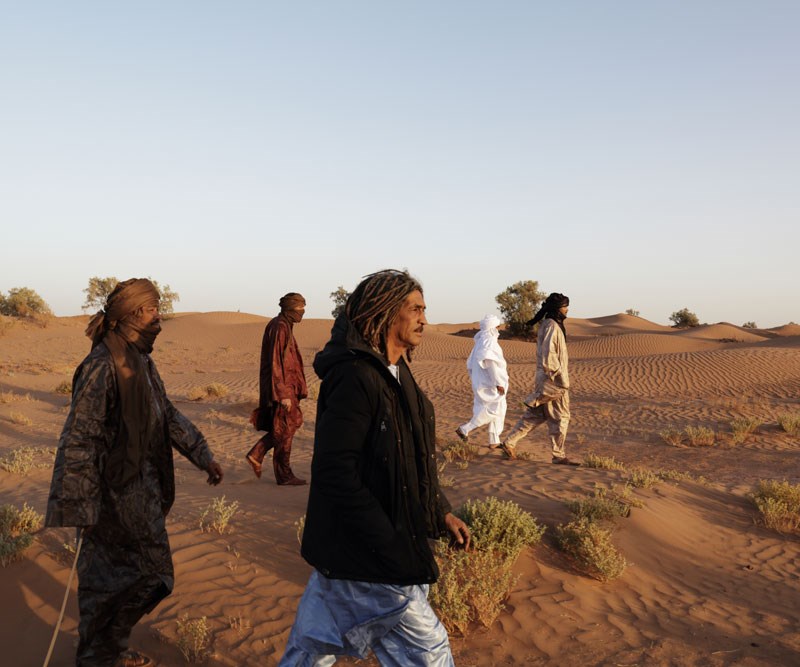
x,y
24,302
518,304
749,325
683,319
339,298
99,288
632,311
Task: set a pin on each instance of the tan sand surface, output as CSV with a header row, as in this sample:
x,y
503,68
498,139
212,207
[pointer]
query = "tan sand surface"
x,y
706,585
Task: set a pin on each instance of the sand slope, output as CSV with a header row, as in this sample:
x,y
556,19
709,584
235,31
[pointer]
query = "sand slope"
x,y
705,584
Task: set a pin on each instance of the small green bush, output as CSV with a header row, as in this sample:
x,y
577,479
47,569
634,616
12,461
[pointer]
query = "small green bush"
x,y
699,436
217,515
592,460
473,585
500,525
16,531
790,423
194,639
779,504
24,302
742,427
591,547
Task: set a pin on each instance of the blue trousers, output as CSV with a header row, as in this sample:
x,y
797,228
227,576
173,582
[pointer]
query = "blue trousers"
x,y
339,617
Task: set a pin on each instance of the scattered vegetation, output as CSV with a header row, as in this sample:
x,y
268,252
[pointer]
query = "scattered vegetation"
x,y
20,419
217,515
11,397
779,505
592,460
64,387
458,450
339,297
684,319
589,544
22,460
518,304
16,531
699,436
790,423
194,639
604,504
632,311
473,585
749,325
215,389
742,427
642,478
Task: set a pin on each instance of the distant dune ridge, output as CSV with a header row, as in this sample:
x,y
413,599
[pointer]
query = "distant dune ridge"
x,y
706,585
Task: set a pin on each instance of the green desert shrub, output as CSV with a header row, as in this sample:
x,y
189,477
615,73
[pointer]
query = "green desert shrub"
x,y
218,515
16,531
24,302
473,585
500,525
699,436
590,546
790,423
684,318
194,639
742,427
779,505
592,460
518,303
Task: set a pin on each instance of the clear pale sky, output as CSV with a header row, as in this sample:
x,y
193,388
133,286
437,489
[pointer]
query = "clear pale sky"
x,y
629,154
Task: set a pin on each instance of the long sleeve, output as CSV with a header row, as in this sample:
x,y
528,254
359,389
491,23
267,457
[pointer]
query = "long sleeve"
x,y
75,490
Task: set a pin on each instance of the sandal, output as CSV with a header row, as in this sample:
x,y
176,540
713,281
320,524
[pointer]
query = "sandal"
x,y
133,659
508,452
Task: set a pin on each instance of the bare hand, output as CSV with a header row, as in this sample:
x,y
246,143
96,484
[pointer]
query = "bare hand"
x,y
501,390
286,403
458,529
214,473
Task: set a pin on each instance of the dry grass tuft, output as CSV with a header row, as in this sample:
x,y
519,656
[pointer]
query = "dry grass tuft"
x,y
742,427
790,423
217,515
65,387
458,450
592,460
19,419
11,397
672,436
699,436
194,639
215,390
22,460
604,504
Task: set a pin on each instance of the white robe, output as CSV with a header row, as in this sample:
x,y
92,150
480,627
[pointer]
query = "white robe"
x,y
488,371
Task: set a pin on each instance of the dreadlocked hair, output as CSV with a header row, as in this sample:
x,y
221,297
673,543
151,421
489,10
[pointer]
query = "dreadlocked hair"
x,y
374,304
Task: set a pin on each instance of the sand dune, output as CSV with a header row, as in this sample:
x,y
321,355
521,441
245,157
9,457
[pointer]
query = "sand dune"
x,y
705,585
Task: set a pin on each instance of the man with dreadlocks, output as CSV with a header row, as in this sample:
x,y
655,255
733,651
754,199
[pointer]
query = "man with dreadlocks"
x,y
113,476
375,498
549,402
282,385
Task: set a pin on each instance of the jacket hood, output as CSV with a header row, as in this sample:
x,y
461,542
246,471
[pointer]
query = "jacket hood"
x,y
345,344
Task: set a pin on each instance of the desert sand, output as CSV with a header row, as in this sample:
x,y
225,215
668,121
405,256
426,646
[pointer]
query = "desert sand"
x,y
705,585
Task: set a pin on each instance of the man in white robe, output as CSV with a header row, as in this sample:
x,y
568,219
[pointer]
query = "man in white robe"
x,y
488,372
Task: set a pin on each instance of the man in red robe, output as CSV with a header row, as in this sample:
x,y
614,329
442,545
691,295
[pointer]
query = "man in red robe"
x,y
282,385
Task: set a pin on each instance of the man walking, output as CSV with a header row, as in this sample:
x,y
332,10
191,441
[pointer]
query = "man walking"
x,y
489,376
113,476
549,402
374,499
282,385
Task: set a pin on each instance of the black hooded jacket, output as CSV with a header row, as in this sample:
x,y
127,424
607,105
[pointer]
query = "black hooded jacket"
x,y
375,496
